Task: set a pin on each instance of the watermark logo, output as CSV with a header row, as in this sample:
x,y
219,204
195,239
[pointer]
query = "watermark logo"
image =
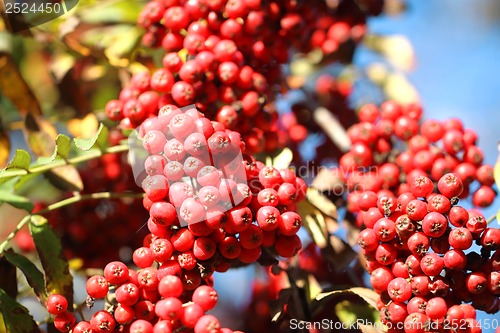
x,y
23,15
181,153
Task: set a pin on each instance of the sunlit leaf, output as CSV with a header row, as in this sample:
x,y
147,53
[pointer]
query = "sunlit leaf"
x,y
318,234
313,287
21,160
321,202
15,316
14,87
66,178
368,295
58,279
396,48
84,128
100,139
33,275
283,160
62,149
120,50
496,170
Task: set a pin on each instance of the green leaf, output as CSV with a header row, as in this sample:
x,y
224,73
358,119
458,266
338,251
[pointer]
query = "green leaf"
x,y
33,275
16,200
63,145
100,140
62,149
58,280
21,160
16,317
349,312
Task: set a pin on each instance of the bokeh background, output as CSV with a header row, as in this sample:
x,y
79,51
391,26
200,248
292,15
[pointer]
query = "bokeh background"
x,y
456,74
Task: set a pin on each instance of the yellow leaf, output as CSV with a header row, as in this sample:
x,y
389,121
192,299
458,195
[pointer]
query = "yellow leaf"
x,y
4,149
40,135
14,87
283,160
84,128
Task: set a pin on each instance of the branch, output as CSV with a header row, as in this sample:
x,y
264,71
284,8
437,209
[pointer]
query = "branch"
x,y
67,202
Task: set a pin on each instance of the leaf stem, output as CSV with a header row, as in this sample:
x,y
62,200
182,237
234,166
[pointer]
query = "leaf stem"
x,y
491,219
67,202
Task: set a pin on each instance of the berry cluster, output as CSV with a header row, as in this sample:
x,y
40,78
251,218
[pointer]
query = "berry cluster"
x,y
149,301
416,248
211,206
390,149
235,51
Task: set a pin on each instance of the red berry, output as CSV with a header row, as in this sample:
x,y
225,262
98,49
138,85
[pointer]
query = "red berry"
x,y
56,304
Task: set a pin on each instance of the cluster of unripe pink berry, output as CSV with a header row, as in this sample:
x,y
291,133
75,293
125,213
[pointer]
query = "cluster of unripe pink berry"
x,y
210,205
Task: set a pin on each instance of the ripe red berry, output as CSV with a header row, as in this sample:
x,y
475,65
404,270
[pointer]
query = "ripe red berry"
x,y
431,264
56,304
450,185
436,308
399,290
103,321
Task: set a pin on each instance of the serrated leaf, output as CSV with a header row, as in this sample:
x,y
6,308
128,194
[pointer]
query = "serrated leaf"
x,y
100,139
63,145
21,160
33,275
283,160
15,316
62,149
368,295
16,200
58,279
